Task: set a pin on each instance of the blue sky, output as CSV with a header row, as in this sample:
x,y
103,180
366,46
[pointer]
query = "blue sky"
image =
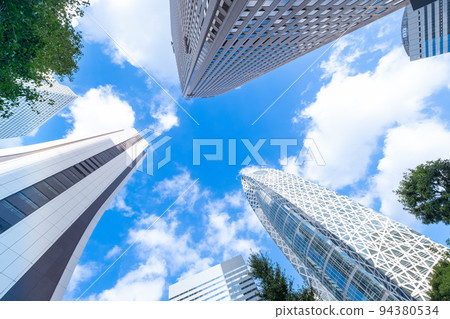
x,y
370,111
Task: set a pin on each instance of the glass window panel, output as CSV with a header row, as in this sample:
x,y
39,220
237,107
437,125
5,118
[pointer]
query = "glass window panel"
x,y
89,166
36,196
55,184
9,213
86,167
76,173
92,163
96,161
4,225
64,180
68,174
22,203
99,159
46,189
81,169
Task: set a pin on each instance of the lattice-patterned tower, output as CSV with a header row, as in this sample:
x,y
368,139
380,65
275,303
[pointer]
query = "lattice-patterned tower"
x,y
343,249
221,44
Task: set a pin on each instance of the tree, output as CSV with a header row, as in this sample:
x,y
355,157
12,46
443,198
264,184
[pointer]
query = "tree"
x,y
37,41
440,279
425,192
273,283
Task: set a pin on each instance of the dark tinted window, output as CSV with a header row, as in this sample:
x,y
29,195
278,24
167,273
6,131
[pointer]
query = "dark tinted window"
x,y
76,172
92,164
64,180
9,213
70,175
96,162
35,195
4,225
87,167
53,182
81,169
22,203
46,189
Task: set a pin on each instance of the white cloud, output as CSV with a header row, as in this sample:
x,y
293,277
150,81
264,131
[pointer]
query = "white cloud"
x,y
141,28
11,142
338,64
176,185
100,110
163,110
406,147
144,283
82,273
120,204
352,112
222,227
290,165
230,236
249,169
161,250
113,252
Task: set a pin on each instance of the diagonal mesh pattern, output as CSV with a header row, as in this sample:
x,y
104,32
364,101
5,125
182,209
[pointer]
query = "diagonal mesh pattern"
x,y
352,252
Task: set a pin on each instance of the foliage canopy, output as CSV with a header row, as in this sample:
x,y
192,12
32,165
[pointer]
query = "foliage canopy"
x,y
425,192
273,283
37,41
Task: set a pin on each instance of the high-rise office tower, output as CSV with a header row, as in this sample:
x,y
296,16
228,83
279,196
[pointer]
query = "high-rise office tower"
x,y
51,197
229,280
425,31
343,249
26,118
221,44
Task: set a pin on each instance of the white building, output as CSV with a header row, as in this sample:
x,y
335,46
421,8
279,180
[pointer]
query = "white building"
x,y
229,280
51,197
425,31
24,119
344,250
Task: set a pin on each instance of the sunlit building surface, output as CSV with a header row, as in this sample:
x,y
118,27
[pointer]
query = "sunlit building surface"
x,y
344,250
52,196
26,118
425,31
221,44
229,280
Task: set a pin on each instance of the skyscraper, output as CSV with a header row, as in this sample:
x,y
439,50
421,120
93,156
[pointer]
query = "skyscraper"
x,y
24,119
425,31
51,197
221,44
229,280
343,249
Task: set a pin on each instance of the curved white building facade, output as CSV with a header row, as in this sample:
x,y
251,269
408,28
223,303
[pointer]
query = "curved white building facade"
x,y
51,197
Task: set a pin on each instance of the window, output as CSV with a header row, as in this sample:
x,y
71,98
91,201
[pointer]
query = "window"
x,y
36,196
22,203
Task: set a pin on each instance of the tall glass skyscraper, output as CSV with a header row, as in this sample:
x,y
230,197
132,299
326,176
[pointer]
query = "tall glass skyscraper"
x,y
51,197
426,31
25,119
344,250
221,44
229,280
